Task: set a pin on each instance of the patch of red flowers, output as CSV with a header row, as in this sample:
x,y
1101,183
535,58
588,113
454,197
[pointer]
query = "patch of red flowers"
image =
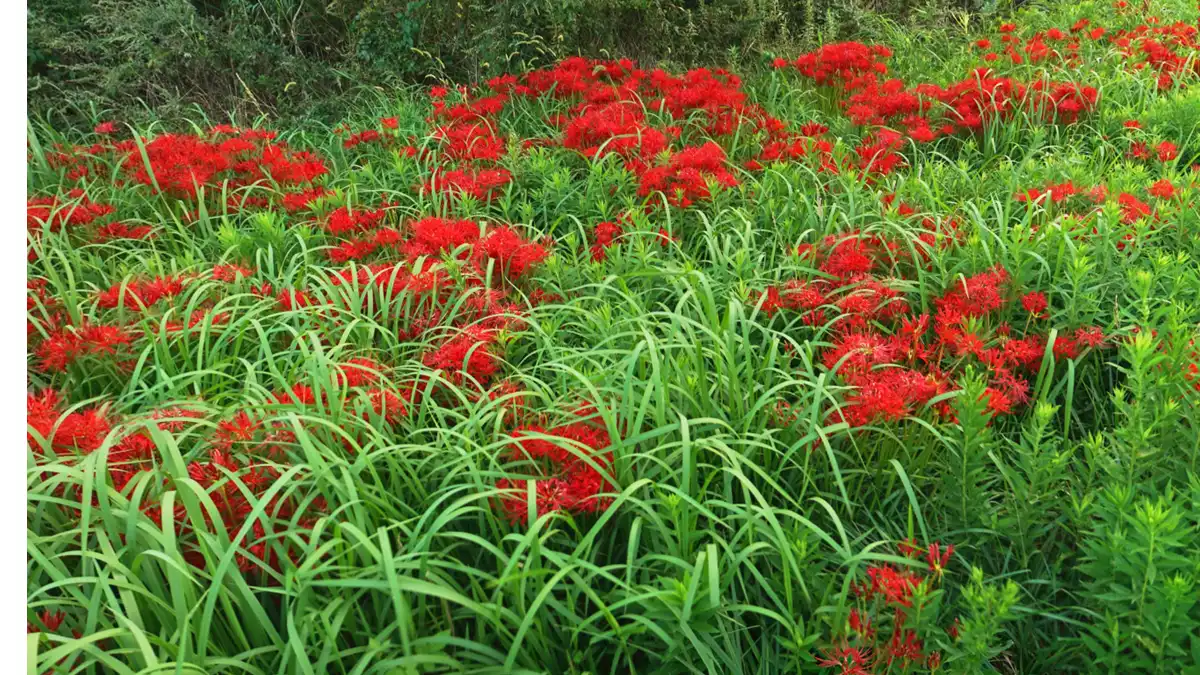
x,y
897,362
575,457
880,631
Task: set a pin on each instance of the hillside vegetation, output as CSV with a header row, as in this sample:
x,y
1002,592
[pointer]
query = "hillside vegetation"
x,y
880,359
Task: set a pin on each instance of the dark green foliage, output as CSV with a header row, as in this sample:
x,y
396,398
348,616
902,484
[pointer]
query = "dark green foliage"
x,y
297,57
966,490
986,609
1140,563
166,55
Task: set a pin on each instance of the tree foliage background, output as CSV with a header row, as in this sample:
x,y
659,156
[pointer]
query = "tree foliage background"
x,y
299,57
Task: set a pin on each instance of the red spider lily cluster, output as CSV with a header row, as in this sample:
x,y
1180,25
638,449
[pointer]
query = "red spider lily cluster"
x,y
1161,202
686,176
183,164
75,209
616,109
604,237
461,278
889,629
58,343
897,361
1168,51
237,470
222,160
859,76
575,458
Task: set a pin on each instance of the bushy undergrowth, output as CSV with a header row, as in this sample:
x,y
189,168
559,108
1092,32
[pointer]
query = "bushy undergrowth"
x,y
294,59
880,362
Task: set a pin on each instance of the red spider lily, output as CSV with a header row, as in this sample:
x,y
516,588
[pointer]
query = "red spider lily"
x,y
39,301
425,281
848,660
576,493
343,220
1035,303
469,141
1053,193
304,199
132,455
56,213
578,434
358,372
604,236
196,318
388,404
938,558
842,62
852,256
1166,151
182,164
466,355
66,345
1132,208
905,646
975,296
113,231
686,177
889,394
231,273
1163,189
365,136
80,431
575,484
512,256
355,249
893,586
511,397
860,72
858,353
619,128
1065,348
876,155
431,236
233,506
861,624
51,621
297,394
141,294
1091,336
286,300
244,434
482,184
246,202
175,418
